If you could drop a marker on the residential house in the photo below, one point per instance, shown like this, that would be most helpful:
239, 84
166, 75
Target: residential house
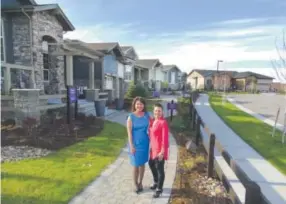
130, 58
113, 66
29, 33
223, 80
172, 75
149, 72
278, 87
228, 80
200, 79
249, 81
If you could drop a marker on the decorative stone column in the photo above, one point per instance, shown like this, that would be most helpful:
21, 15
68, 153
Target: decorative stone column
91, 75
69, 70
26, 104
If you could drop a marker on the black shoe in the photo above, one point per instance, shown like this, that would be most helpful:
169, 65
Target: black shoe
153, 187
140, 187
137, 189
157, 193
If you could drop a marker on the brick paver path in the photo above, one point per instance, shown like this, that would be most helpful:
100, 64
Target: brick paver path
115, 186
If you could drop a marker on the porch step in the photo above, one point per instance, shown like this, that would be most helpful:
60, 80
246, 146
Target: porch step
88, 108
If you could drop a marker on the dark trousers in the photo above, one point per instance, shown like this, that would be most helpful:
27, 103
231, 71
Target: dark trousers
157, 169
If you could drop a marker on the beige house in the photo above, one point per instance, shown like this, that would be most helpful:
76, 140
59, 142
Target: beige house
200, 79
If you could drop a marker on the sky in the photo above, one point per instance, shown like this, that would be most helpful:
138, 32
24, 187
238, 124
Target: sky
193, 34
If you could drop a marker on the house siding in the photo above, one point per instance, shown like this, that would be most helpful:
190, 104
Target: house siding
200, 81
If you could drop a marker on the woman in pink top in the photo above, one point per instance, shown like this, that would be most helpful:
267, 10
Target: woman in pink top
159, 142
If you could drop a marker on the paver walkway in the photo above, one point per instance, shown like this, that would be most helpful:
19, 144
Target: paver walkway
114, 186
271, 181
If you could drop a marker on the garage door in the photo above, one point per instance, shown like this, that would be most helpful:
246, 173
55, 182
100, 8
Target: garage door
262, 87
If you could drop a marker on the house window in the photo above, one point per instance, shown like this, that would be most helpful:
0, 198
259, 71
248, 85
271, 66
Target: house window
46, 67
173, 78
108, 82
3, 56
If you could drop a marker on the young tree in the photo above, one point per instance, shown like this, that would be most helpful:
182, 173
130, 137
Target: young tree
280, 65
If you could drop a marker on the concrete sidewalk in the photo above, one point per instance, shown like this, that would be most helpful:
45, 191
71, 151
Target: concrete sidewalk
114, 185
271, 181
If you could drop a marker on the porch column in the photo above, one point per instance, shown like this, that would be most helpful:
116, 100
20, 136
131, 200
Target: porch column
139, 74
7, 80
69, 70
91, 75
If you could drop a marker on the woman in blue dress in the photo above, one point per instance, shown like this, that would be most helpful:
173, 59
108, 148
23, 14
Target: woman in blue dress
137, 129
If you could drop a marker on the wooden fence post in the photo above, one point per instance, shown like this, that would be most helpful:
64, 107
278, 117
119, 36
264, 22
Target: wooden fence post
191, 108
193, 118
211, 155
253, 193
198, 130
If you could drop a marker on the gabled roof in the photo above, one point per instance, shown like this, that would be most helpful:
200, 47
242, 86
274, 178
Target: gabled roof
249, 74
168, 67
126, 48
107, 47
203, 72
129, 52
147, 63
229, 73
61, 17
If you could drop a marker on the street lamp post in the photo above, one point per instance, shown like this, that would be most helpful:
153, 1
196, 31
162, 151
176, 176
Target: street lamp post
217, 69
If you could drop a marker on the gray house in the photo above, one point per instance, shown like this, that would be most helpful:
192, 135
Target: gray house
28, 35
172, 75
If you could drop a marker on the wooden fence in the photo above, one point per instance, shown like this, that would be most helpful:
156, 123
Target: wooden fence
226, 168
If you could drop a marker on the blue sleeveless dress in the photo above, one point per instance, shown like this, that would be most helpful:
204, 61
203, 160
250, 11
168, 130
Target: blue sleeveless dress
140, 139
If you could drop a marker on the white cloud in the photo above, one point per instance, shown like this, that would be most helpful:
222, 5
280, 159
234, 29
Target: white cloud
192, 49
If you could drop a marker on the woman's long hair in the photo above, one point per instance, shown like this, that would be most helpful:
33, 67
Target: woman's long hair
141, 100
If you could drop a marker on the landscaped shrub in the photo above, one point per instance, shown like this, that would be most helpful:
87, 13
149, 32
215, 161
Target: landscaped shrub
136, 90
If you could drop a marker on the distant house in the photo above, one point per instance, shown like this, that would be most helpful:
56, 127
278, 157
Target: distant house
113, 66
172, 75
147, 71
130, 56
278, 87
247, 81
224, 80
200, 79
228, 80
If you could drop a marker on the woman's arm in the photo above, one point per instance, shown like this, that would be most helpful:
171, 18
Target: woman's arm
165, 137
129, 131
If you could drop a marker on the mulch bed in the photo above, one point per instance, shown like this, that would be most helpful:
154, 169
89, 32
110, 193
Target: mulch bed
51, 134
191, 185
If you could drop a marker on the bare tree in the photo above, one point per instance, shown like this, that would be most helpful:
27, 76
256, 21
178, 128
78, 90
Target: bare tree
280, 64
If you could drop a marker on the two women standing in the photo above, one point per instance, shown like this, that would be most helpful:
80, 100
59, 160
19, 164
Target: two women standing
148, 140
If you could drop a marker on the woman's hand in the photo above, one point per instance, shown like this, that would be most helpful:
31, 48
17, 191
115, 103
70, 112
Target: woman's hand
160, 156
132, 149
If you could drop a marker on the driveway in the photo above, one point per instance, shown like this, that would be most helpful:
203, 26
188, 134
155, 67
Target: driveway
263, 104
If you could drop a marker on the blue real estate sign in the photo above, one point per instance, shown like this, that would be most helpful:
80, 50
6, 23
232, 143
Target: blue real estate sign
72, 94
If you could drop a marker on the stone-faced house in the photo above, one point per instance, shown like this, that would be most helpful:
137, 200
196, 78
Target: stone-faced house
224, 80
30, 32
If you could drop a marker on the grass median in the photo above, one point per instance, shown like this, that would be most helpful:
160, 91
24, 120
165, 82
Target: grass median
253, 131
58, 177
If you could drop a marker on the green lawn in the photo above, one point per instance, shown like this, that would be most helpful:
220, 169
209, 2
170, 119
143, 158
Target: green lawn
57, 178
255, 132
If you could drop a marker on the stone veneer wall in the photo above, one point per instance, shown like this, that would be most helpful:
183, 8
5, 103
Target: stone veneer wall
21, 40
43, 24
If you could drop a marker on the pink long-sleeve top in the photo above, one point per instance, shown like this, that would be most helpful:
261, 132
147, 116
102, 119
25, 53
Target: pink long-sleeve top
159, 138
